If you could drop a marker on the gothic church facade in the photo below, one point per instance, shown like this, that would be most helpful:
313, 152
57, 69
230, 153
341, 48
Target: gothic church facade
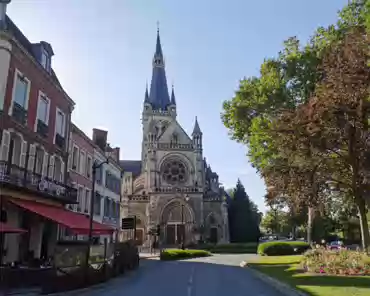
172, 185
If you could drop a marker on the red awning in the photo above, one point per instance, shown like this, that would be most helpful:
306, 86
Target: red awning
78, 223
5, 228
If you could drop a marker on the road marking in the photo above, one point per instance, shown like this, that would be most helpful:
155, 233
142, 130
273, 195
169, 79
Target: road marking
190, 282
190, 289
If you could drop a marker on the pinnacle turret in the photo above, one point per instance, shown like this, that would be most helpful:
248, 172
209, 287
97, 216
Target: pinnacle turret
196, 130
173, 99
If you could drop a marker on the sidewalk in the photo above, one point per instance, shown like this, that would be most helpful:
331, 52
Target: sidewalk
146, 255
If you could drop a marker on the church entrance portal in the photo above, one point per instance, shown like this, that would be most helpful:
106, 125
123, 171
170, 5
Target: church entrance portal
174, 234
177, 218
213, 235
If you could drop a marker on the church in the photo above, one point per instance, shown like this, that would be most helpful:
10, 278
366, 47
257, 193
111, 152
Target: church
171, 187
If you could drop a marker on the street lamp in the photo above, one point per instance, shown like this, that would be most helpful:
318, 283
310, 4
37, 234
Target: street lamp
182, 221
95, 167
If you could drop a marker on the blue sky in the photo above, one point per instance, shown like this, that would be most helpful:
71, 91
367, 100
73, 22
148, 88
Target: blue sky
104, 49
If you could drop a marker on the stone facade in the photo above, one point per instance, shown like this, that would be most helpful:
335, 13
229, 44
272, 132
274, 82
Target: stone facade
172, 185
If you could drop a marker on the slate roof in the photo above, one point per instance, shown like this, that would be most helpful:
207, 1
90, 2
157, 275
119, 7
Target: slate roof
159, 97
133, 166
28, 46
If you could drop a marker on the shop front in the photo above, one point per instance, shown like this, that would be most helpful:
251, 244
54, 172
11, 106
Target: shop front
38, 225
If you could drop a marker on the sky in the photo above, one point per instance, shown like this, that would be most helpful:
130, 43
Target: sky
104, 50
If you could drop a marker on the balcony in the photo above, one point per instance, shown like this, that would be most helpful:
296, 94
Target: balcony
19, 114
42, 128
60, 141
16, 177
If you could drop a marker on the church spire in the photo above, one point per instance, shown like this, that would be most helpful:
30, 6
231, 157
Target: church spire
159, 97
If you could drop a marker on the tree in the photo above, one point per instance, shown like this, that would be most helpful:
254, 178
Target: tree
274, 221
244, 217
338, 116
286, 84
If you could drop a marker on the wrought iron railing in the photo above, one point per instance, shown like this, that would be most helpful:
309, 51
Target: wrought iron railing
60, 141
22, 178
42, 128
19, 113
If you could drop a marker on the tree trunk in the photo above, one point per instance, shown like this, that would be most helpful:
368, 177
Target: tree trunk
365, 235
310, 224
294, 231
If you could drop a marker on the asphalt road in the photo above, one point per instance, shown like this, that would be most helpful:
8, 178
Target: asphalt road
219, 275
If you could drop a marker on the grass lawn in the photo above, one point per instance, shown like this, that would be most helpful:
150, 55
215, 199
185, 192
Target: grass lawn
286, 269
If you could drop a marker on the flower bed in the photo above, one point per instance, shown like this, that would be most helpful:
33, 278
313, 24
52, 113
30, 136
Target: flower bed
342, 262
183, 254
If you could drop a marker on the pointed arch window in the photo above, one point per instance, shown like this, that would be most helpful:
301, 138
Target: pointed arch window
174, 139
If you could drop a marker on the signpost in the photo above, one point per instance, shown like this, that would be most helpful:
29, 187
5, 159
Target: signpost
129, 224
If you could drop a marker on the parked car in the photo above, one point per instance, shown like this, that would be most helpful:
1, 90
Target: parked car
336, 245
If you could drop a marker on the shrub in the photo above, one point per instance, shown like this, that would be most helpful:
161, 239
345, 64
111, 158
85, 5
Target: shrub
235, 248
183, 254
232, 248
276, 248
345, 262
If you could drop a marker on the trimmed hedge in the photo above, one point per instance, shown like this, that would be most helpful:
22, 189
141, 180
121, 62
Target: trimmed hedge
232, 248
275, 248
183, 254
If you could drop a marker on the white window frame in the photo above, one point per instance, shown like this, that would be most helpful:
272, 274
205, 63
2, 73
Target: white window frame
81, 197
89, 168
47, 59
64, 123
87, 200
82, 165
41, 97
16, 74
78, 158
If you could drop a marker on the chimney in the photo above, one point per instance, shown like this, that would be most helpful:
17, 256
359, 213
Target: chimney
100, 137
116, 152
3, 4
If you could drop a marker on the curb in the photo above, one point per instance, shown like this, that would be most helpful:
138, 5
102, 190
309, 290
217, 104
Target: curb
278, 285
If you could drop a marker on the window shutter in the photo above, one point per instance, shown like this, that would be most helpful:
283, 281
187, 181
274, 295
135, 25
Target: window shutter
51, 167
45, 164
62, 172
87, 200
5, 142
70, 152
31, 157
22, 161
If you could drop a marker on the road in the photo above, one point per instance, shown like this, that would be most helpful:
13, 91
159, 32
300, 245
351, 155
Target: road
219, 275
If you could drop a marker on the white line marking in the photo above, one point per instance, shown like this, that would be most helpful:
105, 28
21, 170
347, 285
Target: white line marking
190, 282
190, 288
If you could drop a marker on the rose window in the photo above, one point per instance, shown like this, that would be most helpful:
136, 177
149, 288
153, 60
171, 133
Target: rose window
174, 172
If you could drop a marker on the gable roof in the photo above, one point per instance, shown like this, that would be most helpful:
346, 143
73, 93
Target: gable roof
178, 125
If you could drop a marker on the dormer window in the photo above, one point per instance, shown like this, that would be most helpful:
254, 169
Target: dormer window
45, 59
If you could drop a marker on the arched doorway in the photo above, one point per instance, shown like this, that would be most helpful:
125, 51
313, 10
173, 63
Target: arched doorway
177, 219
212, 228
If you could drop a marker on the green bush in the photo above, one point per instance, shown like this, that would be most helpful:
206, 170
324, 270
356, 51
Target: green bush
233, 248
343, 262
276, 248
183, 254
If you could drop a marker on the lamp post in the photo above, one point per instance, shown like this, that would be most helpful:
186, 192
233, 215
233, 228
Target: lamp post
183, 223
95, 167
